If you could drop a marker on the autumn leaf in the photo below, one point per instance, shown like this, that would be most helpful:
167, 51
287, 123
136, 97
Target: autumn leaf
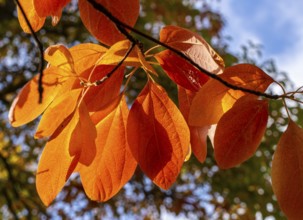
240, 131
100, 26
46, 8
98, 98
287, 172
114, 164
56, 164
214, 98
85, 56
198, 135
57, 112
26, 106
60, 56
194, 47
157, 135
180, 71
117, 52
35, 20
72, 142
83, 137
52, 8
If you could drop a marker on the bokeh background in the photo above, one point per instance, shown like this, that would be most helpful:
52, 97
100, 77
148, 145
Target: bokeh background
255, 32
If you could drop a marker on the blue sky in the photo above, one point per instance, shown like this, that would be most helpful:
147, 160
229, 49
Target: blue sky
277, 25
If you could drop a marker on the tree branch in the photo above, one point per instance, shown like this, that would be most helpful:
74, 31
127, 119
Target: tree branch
40, 47
119, 23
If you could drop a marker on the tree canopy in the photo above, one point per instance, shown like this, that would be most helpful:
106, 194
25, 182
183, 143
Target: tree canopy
146, 105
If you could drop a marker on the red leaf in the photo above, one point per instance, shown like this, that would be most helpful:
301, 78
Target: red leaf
100, 26
180, 71
157, 135
114, 164
287, 172
194, 47
46, 8
240, 131
198, 135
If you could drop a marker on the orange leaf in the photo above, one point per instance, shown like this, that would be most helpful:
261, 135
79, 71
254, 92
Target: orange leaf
26, 106
240, 131
46, 8
214, 98
198, 135
287, 172
114, 164
86, 56
180, 71
60, 56
72, 142
83, 136
100, 26
57, 112
99, 97
193, 46
117, 52
35, 20
56, 164
157, 135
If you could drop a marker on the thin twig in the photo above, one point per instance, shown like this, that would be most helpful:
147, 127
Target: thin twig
40, 47
98, 82
118, 22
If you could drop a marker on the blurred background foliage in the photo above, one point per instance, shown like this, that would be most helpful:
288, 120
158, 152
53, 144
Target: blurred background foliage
202, 191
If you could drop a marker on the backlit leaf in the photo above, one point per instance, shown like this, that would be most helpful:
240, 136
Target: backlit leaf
117, 52
214, 98
26, 106
60, 56
157, 135
35, 20
114, 164
287, 172
72, 142
62, 107
99, 97
100, 26
198, 135
240, 131
180, 71
56, 164
193, 46
84, 136
46, 8
85, 56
